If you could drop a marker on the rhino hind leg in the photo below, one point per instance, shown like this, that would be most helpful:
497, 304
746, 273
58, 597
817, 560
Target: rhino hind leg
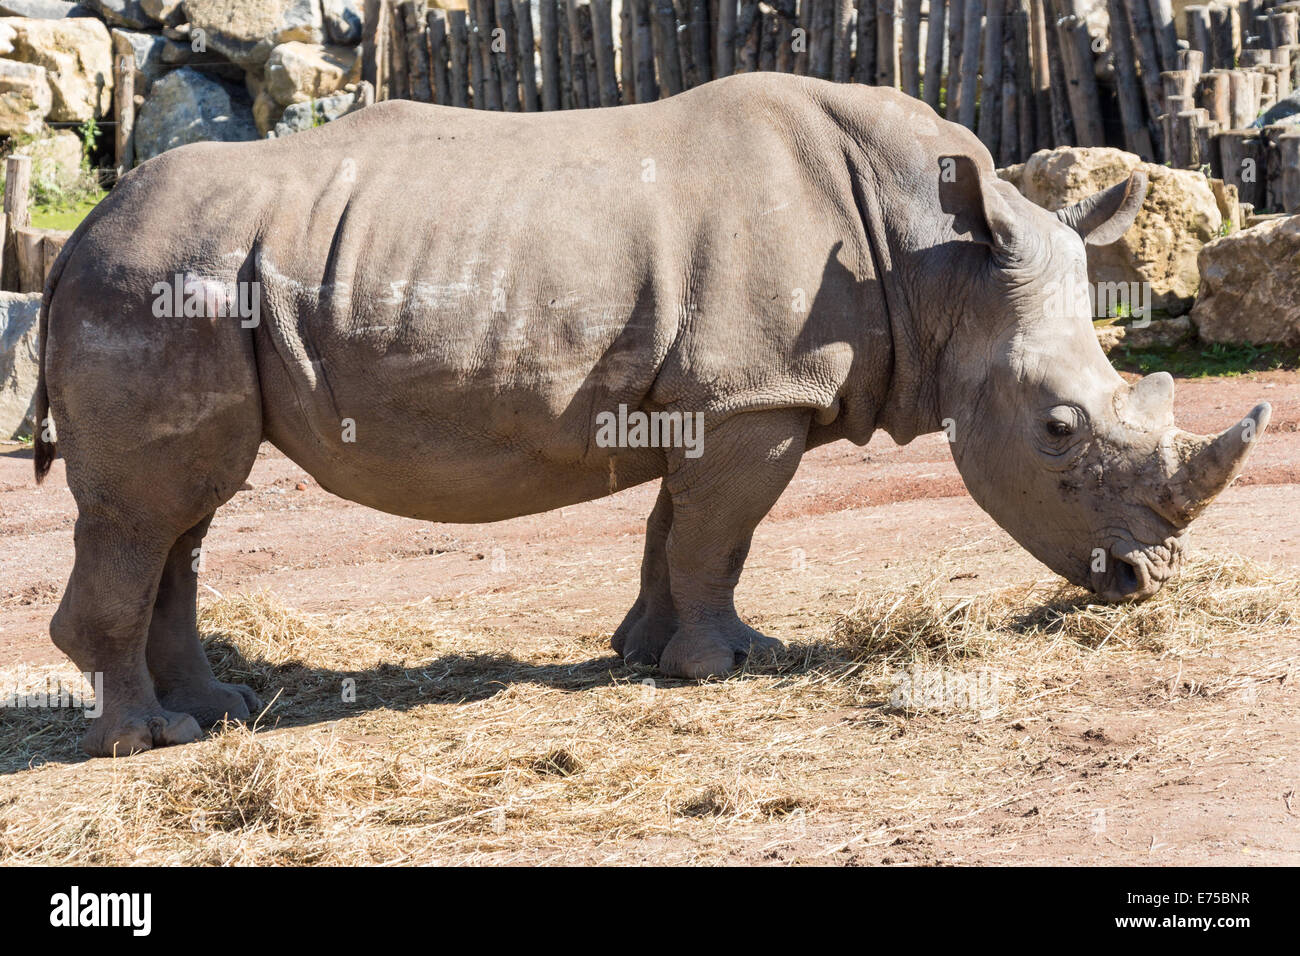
182, 676
718, 500
651, 623
100, 624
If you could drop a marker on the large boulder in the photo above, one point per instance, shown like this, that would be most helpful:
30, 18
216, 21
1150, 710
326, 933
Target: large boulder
25, 98
187, 107
147, 50
1250, 285
1180, 216
343, 21
298, 72
164, 11
43, 9
121, 13
19, 361
77, 54
304, 116
245, 31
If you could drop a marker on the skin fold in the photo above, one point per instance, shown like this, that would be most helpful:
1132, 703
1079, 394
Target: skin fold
450, 299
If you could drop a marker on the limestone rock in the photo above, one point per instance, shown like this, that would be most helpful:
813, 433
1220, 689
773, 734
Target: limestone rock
1180, 216
77, 54
303, 116
164, 11
56, 159
297, 72
25, 98
121, 13
19, 361
245, 31
187, 107
43, 9
343, 21
1250, 285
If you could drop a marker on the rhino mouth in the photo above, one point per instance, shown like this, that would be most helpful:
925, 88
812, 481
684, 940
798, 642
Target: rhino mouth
1135, 571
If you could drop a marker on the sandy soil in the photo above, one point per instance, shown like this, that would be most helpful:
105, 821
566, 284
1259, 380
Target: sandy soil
853, 520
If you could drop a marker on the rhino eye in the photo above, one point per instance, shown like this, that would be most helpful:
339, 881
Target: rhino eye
1062, 422
1060, 429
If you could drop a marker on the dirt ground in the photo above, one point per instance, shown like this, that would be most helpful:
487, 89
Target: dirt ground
1163, 753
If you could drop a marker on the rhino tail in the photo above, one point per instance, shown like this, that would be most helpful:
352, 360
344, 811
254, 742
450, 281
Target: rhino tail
43, 442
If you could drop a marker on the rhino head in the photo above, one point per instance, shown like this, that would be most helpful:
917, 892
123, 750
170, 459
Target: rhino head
1084, 470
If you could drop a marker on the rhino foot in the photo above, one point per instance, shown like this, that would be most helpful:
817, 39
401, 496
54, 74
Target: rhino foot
213, 702
132, 733
645, 640
714, 650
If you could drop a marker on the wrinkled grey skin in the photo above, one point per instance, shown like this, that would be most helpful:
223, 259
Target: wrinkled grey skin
800, 261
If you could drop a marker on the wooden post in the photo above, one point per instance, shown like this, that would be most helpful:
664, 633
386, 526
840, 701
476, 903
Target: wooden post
1162, 19
399, 86
525, 49
864, 64
487, 86
1138, 18
887, 43
1271, 137
647, 90
956, 27
1214, 95
1193, 62
1283, 26
821, 42
124, 112
1197, 18
1185, 138
1206, 153
934, 53
786, 19
909, 63
458, 42
1081, 81
1021, 66
1042, 75
767, 38
1242, 156
1009, 120
970, 63
1177, 83
627, 51
701, 41
506, 58
1242, 101
1127, 88
1289, 156
417, 51
602, 32
842, 48
372, 34
724, 55
1062, 120
577, 57
670, 66
547, 26
18, 180
990, 114
436, 30
1223, 37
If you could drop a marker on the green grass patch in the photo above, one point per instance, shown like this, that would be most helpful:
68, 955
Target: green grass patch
66, 216
1202, 361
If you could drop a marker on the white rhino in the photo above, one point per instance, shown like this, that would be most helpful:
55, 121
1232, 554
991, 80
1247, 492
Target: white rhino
447, 304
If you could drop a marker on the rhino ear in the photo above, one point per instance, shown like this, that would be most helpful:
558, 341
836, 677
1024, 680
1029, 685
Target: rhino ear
1104, 217
978, 207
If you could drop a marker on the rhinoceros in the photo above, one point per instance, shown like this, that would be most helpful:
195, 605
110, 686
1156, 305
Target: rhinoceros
448, 306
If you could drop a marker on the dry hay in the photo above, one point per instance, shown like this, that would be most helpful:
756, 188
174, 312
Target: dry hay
454, 750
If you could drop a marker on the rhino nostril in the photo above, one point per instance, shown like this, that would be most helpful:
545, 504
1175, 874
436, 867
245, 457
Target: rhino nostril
1127, 579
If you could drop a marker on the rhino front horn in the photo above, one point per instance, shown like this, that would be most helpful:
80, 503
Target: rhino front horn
1207, 465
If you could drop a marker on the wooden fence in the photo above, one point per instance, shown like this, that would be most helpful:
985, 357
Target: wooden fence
1022, 74
26, 253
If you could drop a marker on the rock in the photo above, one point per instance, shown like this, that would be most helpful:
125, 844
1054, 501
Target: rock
1159, 333
1250, 285
121, 13
343, 21
303, 116
187, 107
43, 9
56, 160
245, 31
77, 54
164, 11
25, 98
1284, 111
19, 361
297, 72
266, 112
147, 49
1180, 216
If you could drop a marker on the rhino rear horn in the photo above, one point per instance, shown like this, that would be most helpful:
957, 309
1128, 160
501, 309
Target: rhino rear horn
1104, 217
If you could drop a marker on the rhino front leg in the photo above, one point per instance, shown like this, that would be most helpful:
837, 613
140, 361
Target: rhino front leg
181, 673
651, 623
717, 501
